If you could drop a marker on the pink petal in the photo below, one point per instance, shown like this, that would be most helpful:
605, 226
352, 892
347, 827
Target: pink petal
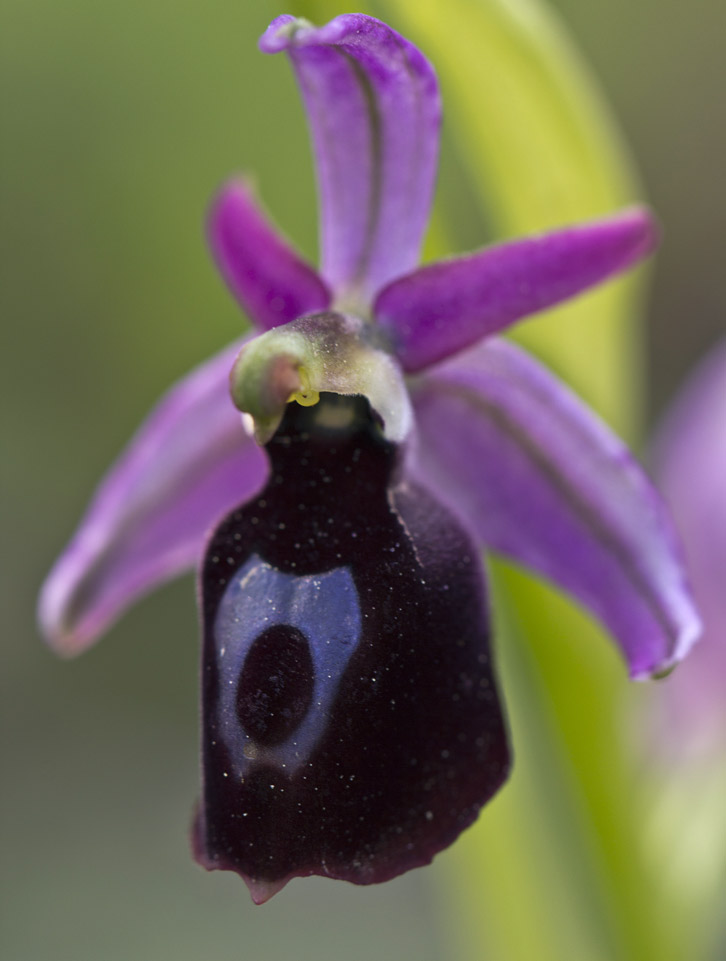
269, 279
190, 462
542, 480
691, 468
448, 306
374, 111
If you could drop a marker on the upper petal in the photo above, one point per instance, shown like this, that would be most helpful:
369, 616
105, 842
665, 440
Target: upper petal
189, 463
269, 279
540, 478
447, 306
373, 105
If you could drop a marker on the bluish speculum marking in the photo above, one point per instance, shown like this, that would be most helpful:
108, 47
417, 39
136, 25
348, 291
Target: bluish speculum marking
324, 609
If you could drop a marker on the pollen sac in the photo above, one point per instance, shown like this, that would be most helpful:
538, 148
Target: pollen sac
351, 722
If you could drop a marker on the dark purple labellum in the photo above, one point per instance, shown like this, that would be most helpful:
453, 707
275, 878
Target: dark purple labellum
351, 723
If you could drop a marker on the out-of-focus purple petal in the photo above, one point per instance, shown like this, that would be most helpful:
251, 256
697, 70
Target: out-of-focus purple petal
540, 479
269, 279
690, 459
373, 105
189, 463
448, 306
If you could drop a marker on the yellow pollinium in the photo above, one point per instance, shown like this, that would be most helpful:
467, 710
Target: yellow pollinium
305, 395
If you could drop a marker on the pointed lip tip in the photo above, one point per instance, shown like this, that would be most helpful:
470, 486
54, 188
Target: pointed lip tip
260, 891
263, 891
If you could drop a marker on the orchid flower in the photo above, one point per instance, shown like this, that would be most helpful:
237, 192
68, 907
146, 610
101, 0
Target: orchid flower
690, 456
683, 720
352, 726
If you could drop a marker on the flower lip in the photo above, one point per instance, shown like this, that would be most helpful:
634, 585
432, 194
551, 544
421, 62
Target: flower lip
390, 601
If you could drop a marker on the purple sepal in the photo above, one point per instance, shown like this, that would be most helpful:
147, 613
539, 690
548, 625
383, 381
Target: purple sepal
374, 110
269, 279
187, 465
542, 480
445, 307
690, 459
351, 723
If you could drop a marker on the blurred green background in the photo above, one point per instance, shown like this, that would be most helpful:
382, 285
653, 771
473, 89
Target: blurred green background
118, 121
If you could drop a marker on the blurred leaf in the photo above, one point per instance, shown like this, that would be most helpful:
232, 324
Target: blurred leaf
551, 870
543, 151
